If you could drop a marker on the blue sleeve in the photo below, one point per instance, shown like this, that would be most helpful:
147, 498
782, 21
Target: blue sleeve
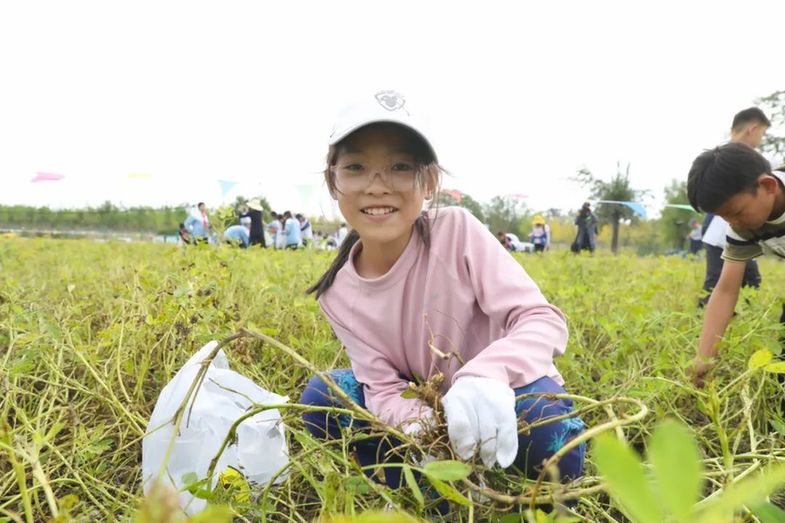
189, 222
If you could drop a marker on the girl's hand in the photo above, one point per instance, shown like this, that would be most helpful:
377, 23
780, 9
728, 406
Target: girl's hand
480, 413
415, 430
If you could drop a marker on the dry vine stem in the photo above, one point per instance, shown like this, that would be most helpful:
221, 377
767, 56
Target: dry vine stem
193, 390
353, 409
587, 435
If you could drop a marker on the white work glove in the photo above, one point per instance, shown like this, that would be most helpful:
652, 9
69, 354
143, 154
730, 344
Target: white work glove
481, 412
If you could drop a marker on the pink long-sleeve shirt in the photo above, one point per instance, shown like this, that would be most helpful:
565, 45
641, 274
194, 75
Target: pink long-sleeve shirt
465, 295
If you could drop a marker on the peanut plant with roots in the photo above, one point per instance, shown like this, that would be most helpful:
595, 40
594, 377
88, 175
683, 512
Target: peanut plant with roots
91, 332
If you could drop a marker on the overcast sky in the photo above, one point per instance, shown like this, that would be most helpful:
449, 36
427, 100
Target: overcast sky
519, 95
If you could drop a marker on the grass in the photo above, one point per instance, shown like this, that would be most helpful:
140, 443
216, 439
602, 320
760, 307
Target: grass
91, 332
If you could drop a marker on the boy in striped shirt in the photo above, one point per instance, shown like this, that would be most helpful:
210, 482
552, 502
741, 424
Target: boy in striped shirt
738, 184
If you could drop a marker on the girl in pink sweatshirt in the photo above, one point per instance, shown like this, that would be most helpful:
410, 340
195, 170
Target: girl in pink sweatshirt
406, 280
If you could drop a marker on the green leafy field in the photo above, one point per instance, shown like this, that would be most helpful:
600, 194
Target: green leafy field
91, 332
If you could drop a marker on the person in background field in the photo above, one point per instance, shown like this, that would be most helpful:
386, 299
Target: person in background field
341, 234
586, 239
280, 240
695, 237
541, 235
185, 235
739, 185
239, 234
256, 214
504, 240
274, 228
330, 241
305, 230
748, 127
442, 276
319, 241
291, 231
198, 224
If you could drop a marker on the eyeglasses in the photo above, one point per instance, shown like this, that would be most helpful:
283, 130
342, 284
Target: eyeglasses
354, 177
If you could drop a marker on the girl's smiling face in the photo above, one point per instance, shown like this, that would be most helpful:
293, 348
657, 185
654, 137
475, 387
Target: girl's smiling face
380, 181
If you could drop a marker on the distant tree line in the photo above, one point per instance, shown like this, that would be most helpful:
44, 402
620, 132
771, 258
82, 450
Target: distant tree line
501, 213
107, 216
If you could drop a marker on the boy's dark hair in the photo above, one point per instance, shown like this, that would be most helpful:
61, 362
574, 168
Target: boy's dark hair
199, 204
749, 115
718, 174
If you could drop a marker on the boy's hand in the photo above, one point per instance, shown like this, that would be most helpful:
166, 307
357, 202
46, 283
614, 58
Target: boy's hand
698, 369
718, 313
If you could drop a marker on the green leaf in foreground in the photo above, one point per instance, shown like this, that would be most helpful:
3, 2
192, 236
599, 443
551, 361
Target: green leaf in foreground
759, 358
625, 479
413, 486
750, 492
449, 492
447, 470
373, 517
676, 460
409, 394
777, 425
213, 514
194, 485
357, 484
769, 513
777, 368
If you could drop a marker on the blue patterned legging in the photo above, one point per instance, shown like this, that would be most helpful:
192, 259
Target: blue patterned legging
533, 448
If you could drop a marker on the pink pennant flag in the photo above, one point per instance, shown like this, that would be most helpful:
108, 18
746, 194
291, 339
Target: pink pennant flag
47, 177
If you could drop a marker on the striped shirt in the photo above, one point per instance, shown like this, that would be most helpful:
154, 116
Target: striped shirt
744, 245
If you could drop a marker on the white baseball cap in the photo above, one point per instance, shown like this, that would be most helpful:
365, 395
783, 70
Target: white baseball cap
255, 204
383, 106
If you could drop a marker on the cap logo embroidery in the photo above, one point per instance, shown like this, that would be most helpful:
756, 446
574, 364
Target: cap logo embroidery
390, 100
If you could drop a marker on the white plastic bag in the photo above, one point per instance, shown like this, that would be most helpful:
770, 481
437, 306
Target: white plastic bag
258, 452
